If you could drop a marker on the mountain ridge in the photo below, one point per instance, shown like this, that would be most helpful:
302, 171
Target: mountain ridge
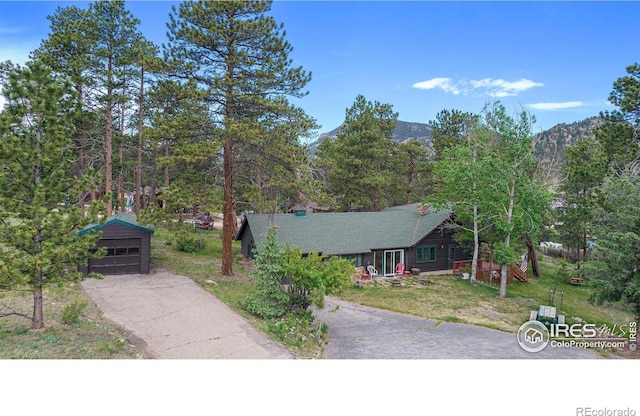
404, 131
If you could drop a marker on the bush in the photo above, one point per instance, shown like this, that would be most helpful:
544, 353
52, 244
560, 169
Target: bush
288, 281
71, 312
186, 242
564, 275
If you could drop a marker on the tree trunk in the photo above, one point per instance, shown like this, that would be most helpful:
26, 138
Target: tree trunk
139, 149
120, 185
228, 215
476, 246
533, 256
81, 142
154, 184
409, 184
476, 237
507, 239
37, 321
108, 139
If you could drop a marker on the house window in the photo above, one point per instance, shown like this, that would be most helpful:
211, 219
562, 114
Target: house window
426, 254
356, 259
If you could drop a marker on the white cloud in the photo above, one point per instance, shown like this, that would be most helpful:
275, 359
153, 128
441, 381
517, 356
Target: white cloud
504, 88
2, 101
557, 106
488, 86
445, 84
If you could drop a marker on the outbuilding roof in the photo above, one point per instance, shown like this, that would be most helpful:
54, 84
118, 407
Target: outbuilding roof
348, 232
122, 218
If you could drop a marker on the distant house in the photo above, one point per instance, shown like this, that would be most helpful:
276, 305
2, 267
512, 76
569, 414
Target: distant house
405, 234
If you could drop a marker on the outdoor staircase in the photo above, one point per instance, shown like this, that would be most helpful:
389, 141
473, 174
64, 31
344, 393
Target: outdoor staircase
519, 274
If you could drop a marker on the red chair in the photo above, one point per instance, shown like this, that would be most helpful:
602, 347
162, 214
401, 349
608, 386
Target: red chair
400, 270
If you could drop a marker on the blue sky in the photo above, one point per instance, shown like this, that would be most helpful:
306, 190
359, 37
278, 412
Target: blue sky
558, 60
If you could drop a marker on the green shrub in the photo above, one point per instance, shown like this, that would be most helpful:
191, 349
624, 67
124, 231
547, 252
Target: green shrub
186, 242
288, 281
564, 275
71, 312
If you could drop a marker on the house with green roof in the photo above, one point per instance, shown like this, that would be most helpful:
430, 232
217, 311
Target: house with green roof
410, 234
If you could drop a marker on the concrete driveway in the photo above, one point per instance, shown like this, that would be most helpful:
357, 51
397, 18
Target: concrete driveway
178, 319
360, 332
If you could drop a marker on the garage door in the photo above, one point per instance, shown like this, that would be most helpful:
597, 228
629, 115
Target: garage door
123, 257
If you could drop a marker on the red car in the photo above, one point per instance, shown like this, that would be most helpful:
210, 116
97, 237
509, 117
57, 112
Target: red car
203, 221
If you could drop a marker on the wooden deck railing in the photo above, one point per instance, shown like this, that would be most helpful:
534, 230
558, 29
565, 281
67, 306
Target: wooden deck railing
487, 271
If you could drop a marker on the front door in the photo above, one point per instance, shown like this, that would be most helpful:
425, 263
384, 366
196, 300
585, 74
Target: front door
391, 258
451, 255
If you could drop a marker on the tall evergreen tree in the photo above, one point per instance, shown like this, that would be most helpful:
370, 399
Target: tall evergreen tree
614, 267
585, 168
358, 162
117, 36
183, 146
412, 165
239, 57
68, 50
273, 169
450, 128
39, 215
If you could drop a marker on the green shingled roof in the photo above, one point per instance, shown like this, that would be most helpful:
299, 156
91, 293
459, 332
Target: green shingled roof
348, 232
120, 218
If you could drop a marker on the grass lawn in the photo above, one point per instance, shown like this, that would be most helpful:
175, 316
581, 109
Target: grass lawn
84, 335
450, 298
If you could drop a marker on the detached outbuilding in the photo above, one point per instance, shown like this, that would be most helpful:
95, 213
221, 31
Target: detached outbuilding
128, 246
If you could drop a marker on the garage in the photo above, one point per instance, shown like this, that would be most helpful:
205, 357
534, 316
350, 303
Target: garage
128, 246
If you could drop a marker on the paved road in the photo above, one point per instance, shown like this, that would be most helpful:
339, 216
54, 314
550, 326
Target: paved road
360, 332
178, 319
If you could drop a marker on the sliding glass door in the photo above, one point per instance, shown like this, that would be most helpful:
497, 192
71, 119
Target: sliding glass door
385, 261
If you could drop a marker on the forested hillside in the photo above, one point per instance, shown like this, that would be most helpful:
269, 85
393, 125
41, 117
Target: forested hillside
550, 145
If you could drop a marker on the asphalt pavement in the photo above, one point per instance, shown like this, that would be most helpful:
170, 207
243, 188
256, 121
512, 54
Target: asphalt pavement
360, 332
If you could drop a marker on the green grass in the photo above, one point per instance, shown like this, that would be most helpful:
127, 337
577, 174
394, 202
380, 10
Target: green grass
87, 336
450, 298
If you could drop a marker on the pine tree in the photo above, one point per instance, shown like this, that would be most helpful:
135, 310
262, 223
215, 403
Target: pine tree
585, 169
68, 51
117, 46
39, 215
240, 59
358, 162
450, 128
